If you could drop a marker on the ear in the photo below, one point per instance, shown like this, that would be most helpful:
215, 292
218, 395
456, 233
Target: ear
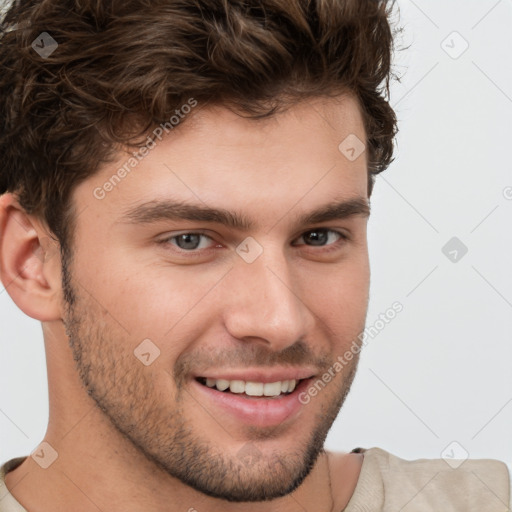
29, 262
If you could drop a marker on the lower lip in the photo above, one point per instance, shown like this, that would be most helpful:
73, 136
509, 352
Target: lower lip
256, 411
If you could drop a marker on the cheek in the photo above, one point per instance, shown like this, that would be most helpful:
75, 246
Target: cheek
339, 298
158, 301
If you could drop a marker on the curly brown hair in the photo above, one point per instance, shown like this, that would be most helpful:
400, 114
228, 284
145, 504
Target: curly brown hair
123, 67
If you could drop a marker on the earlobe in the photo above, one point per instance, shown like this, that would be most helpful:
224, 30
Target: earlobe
29, 262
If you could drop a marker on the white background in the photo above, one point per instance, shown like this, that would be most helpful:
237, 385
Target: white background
440, 371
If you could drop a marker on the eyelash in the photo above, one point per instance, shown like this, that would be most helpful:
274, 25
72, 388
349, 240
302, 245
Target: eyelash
197, 252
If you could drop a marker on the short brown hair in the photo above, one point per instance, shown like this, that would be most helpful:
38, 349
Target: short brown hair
123, 67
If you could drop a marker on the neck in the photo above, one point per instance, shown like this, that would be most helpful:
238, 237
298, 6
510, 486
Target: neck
95, 472
98, 468
65, 488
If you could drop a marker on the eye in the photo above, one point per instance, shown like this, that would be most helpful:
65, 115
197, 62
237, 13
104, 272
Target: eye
322, 237
189, 241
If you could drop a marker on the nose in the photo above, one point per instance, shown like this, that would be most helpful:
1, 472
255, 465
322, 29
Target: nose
265, 302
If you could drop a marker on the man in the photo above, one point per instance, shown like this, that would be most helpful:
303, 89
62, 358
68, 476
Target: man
186, 193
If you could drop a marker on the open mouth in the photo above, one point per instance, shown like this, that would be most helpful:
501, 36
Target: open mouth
252, 389
253, 403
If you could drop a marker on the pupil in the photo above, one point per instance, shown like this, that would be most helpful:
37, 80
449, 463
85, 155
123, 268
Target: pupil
188, 241
317, 237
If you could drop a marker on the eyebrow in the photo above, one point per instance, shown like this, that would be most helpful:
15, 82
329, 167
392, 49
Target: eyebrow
159, 210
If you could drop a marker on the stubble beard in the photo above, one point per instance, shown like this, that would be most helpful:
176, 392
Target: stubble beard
124, 390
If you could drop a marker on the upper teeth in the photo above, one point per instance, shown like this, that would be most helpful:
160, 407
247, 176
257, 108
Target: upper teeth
253, 388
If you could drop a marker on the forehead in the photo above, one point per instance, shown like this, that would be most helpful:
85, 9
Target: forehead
294, 159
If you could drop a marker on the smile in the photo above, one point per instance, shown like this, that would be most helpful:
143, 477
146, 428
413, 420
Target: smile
249, 388
246, 401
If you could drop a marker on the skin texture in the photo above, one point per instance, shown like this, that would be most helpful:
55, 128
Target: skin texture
131, 436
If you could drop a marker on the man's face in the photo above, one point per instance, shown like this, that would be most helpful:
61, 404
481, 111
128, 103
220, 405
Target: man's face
271, 297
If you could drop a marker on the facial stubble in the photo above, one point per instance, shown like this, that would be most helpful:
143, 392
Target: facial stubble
126, 393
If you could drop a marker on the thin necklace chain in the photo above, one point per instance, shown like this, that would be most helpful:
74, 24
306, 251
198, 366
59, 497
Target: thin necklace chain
330, 482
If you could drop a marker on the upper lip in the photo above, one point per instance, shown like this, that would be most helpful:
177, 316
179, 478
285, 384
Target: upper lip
260, 374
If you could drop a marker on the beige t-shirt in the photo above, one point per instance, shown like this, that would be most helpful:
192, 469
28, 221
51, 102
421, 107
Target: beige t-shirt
390, 484
7, 501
